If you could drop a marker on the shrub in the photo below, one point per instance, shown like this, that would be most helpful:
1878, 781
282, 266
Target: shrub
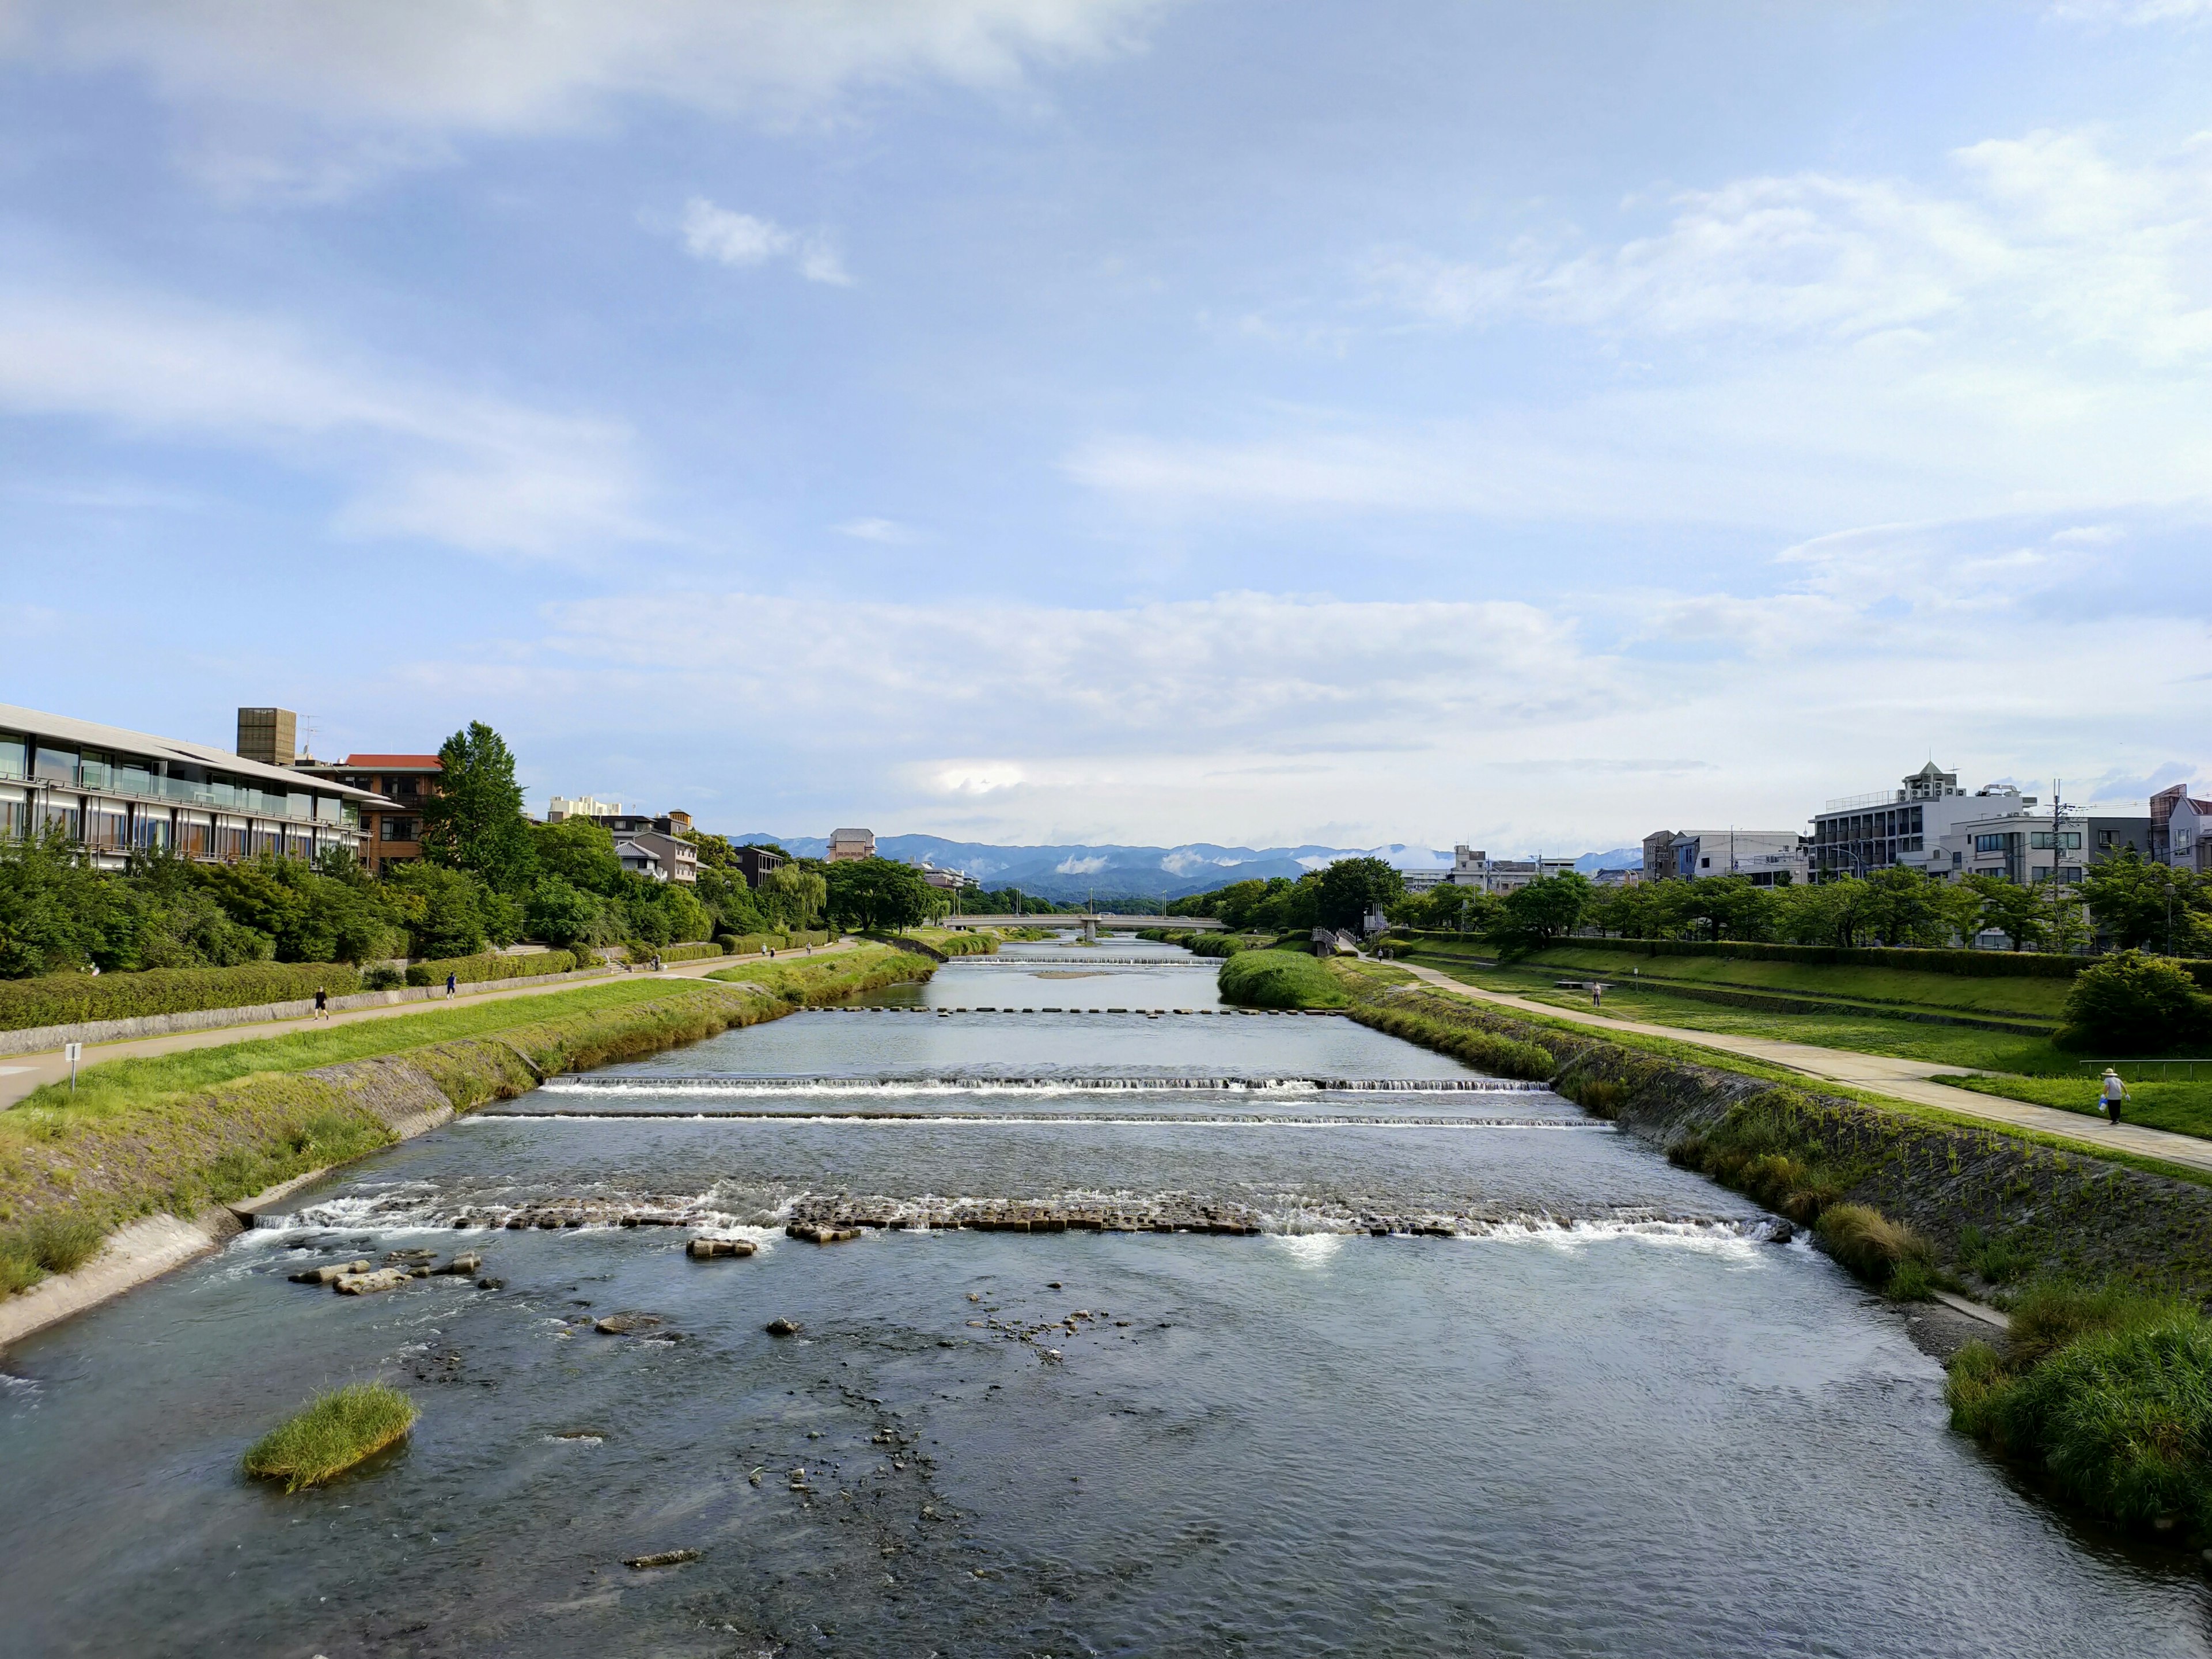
73, 999
475, 970
1868, 1243
1279, 979
382, 976
335, 1431
687, 952
2136, 1003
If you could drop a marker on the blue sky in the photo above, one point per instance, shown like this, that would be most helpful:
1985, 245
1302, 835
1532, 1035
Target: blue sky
1042, 421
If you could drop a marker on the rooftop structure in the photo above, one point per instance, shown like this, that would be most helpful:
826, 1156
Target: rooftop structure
581, 806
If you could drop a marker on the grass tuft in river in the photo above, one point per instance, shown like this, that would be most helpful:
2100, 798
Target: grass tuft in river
2107, 1394
1279, 979
334, 1432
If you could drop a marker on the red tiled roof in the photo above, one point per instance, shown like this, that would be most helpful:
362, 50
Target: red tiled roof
393, 763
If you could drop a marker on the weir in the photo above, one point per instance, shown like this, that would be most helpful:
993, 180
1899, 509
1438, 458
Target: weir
709, 1083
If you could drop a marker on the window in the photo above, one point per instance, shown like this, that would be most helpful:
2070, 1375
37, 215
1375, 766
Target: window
1988, 844
1704, 864
11, 756
1957, 858
150, 827
195, 835
2043, 840
96, 769
398, 829
14, 815
108, 825
55, 765
136, 777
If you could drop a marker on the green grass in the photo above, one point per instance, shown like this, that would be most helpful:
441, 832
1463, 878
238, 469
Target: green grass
334, 1432
2105, 1395
2182, 1107
802, 981
1279, 979
2007, 998
1873, 1033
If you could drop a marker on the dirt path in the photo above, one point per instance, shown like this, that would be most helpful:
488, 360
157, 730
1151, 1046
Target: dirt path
1885, 1074
20, 1073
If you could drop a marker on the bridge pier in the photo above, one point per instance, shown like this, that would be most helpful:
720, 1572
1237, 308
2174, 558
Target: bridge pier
1090, 930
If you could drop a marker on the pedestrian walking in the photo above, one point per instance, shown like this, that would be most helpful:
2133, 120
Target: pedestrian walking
2114, 1092
322, 1002
452, 983
1597, 994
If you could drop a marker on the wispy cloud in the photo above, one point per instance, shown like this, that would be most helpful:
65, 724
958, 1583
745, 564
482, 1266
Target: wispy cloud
889, 532
411, 455
740, 238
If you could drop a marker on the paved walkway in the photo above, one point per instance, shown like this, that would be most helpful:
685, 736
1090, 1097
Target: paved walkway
20, 1073
1884, 1074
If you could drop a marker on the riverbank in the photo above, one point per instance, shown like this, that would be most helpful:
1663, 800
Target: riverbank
170, 1150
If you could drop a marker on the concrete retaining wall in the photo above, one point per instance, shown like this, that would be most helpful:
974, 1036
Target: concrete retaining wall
39, 1039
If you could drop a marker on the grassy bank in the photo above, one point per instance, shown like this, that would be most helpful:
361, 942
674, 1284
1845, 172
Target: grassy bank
334, 1432
1875, 1031
2182, 1106
1279, 979
956, 941
213, 1125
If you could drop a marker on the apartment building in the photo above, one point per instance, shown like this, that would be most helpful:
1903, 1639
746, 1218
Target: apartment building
1766, 858
661, 847
1471, 867
1858, 834
2180, 829
759, 862
392, 831
2031, 847
114, 791
581, 806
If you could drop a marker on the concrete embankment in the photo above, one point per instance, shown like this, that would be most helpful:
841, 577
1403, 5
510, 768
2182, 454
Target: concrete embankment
2056, 1212
176, 1176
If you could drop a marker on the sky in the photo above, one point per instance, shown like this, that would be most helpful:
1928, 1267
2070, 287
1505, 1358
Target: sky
1138, 421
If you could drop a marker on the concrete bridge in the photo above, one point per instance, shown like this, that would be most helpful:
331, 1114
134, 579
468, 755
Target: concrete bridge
1089, 921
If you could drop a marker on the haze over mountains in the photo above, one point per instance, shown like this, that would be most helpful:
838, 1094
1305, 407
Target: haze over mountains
1076, 872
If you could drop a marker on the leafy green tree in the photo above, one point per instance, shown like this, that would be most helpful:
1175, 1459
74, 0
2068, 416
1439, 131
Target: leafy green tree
580, 852
441, 909
1533, 916
53, 909
2140, 905
1905, 908
662, 912
1722, 906
729, 902
1348, 888
564, 915
795, 895
2020, 913
473, 820
310, 917
2133, 1004
1644, 910
870, 895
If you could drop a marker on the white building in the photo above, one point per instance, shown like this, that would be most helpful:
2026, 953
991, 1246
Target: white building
1766, 858
581, 806
1861, 833
2181, 829
1471, 867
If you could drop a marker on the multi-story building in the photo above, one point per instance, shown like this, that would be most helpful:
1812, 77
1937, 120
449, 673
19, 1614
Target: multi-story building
949, 881
846, 845
392, 828
2180, 829
1471, 867
661, 846
2029, 847
759, 862
1861, 833
581, 806
1766, 858
114, 791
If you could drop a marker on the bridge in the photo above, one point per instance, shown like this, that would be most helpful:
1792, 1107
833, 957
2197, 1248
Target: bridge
1089, 921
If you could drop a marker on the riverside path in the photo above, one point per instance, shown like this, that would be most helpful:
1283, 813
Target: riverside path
1883, 1074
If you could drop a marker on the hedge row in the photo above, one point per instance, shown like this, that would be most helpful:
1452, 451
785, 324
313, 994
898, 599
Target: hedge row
688, 952
753, 945
75, 999
474, 970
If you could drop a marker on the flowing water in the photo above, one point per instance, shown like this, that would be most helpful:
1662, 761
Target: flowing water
1469, 1373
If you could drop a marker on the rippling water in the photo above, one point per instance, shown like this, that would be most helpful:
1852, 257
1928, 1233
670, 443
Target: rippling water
1591, 1412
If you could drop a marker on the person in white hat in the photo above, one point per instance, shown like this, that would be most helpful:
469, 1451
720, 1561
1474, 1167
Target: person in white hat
2114, 1091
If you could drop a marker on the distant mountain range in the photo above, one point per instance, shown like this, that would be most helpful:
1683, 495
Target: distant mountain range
1154, 872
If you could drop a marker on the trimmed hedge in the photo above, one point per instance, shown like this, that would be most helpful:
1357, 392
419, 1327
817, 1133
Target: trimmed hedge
75, 999
751, 945
689, 952
475, 970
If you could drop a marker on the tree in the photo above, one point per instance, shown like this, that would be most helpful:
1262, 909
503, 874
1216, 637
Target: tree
1644, 910
1905, 908
580, 852
1349, 888
2132, 1003
794, 895
870, 895
2021, 914
473, 820
2139, 903
1533, 916
441, 909
1726, 907
564, 916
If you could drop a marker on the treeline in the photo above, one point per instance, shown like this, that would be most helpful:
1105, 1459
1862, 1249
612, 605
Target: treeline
1339, 896
2124, 902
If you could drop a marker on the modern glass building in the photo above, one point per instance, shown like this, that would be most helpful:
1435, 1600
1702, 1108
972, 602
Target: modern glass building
114, 791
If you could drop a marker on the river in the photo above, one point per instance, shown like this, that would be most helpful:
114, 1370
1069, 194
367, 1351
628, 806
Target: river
1593, 1410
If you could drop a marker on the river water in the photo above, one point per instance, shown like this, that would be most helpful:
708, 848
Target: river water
1590, 1410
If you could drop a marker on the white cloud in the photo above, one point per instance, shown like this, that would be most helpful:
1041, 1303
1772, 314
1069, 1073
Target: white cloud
414, 456
309, 100
887, 530
740, 238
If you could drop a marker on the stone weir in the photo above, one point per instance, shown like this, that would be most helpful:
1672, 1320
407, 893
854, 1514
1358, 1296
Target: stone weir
1171, 1213
1042, 1082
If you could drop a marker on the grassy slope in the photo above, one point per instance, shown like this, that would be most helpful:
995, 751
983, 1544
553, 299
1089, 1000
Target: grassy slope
2184, 1108
213, 1125
2003, 998
1950, 1045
